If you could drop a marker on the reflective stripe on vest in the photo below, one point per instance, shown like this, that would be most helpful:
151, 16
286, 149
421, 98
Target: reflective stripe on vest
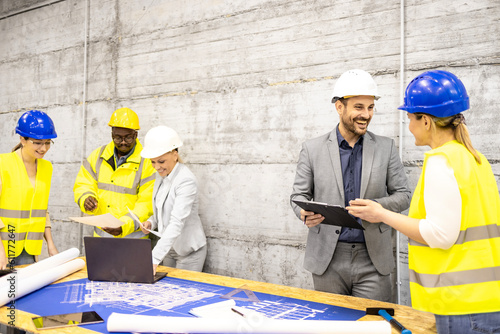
22, 214
22, 236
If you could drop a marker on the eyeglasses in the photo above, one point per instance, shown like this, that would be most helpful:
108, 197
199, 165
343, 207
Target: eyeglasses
39, 144
128, 139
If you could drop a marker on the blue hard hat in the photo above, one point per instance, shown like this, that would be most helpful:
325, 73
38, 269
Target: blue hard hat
37, 125
437, 93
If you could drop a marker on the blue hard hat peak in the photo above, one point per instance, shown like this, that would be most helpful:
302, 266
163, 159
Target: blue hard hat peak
36, 124
438, 93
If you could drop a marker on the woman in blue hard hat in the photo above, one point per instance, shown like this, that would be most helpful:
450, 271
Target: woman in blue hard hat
454, 218
24, 192
175, 204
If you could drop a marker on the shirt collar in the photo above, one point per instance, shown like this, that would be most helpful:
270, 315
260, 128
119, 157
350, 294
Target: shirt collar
124, 158
342, 142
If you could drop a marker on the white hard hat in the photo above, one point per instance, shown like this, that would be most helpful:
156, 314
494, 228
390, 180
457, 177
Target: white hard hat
160, 140
354, 83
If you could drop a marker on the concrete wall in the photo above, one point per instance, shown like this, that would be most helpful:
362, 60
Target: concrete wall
244, 83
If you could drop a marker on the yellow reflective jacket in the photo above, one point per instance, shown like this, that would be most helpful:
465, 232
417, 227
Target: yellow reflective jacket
465, 278
128, 186
23, 208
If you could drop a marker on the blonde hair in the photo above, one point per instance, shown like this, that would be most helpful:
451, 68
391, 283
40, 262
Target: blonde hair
457, 123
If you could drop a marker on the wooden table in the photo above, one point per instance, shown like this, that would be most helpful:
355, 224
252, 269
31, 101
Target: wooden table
416, 321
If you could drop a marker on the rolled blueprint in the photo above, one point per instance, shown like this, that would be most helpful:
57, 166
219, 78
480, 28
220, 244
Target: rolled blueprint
118, 322
43, 265
21, 287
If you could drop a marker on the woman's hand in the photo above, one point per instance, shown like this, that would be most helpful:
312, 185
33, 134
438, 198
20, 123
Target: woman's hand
52, 249
4, 261
310, 218
154, 268
366, 209
145, 227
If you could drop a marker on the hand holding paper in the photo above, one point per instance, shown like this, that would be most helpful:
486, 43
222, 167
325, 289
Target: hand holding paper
145, 229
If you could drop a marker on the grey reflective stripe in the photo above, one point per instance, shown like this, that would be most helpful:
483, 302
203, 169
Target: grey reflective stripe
136, 235
89, 169
38, 213
138, 174
472, 234
35, 236
136, 225
85, 193
149, 178
8, 236
22, 214
6, 213
22, 236
99, 162
478, 233
456, 278
117, 189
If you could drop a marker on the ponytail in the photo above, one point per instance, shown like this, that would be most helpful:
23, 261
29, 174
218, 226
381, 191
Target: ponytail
457, 123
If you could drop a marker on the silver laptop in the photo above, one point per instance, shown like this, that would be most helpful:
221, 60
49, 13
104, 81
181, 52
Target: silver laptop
120, 260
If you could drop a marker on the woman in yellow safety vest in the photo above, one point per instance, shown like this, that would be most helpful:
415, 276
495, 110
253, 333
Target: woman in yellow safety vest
24, 192
454, 218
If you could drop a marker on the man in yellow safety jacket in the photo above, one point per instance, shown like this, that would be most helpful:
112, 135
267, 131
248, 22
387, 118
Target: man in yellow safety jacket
115, 178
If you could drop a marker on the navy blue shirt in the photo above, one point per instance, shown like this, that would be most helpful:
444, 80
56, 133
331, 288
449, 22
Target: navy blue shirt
351, 161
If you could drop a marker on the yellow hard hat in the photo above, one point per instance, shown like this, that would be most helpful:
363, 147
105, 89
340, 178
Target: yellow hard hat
124, 118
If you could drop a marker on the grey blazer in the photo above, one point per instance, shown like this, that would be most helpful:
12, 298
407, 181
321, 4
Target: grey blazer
319, 178
182, 228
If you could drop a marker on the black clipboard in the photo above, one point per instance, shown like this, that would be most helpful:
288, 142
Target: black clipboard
334, 214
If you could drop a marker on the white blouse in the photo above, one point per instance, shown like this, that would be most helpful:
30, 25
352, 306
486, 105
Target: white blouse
443, 204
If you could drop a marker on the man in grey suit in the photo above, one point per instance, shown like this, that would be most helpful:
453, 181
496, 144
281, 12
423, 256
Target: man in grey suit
348, 163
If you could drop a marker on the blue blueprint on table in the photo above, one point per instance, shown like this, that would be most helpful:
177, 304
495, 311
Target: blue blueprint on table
167, 297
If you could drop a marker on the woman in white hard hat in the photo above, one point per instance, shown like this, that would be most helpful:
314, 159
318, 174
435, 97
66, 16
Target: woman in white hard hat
175, 204
25, 179
454, 218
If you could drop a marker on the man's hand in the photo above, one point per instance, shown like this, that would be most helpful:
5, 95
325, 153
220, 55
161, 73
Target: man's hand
145, 227
90, 203
310, 218
113, 230
154, 268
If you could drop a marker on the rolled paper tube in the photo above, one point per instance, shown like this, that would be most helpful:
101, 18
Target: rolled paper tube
43, 265
18, 288
118, 322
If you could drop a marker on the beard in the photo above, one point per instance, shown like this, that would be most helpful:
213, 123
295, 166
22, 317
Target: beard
350, 126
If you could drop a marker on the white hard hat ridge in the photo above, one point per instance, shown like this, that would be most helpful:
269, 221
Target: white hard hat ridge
355, 83
160, 140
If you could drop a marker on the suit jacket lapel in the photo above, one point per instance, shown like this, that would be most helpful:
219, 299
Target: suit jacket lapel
368, 156
333, 149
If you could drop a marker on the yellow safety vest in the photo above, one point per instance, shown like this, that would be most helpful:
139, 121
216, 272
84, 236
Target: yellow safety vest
128, 186
23, 209
465, 278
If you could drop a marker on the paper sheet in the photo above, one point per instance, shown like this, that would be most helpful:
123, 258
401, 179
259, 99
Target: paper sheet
216, 310
105, 220
137, 221
21, 287
118, 322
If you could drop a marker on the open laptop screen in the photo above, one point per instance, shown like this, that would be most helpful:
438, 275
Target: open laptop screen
119, 260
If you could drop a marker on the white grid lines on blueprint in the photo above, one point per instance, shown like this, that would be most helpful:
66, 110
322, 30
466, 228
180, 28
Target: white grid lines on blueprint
135, 297
284, 310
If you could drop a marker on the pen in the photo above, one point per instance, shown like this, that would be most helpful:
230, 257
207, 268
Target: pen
305, 217
236, 311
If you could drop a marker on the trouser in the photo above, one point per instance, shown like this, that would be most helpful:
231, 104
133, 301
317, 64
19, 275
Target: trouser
351, 272
193, 261
486, 323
